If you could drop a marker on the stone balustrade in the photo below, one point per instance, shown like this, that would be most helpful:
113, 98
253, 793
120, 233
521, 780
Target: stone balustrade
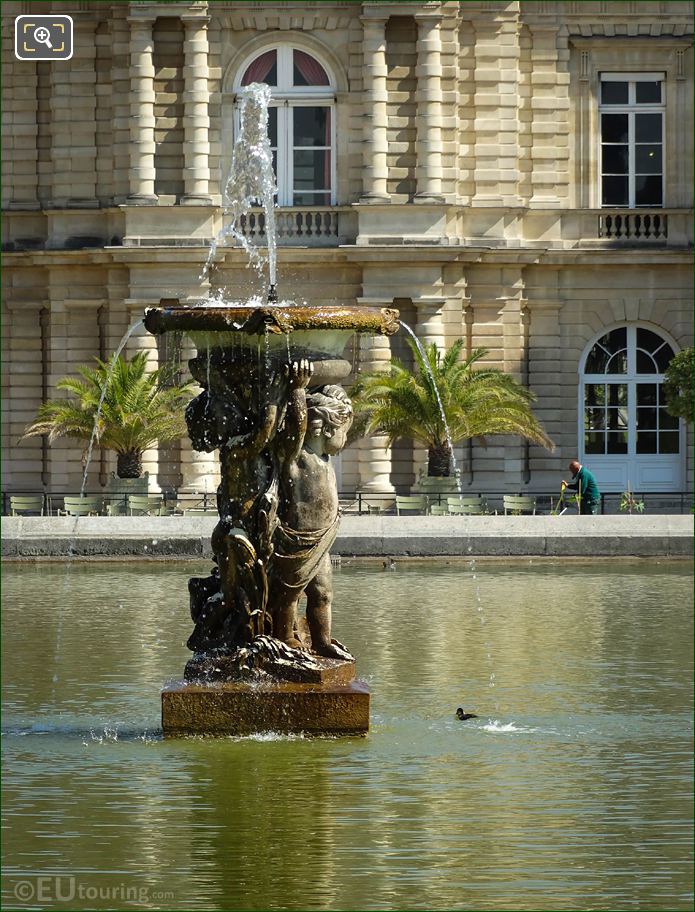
316, 226
633, 225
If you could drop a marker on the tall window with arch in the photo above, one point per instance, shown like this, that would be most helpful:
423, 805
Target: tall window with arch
626, 433
301, 123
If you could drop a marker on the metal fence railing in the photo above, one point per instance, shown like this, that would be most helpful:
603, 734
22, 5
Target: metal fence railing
172, 503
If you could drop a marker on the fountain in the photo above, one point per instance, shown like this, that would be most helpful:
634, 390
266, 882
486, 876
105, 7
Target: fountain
273, 406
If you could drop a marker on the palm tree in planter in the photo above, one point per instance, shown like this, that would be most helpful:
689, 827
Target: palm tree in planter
480, 402
139, 410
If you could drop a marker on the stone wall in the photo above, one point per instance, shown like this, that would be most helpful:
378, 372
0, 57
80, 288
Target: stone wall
466, 192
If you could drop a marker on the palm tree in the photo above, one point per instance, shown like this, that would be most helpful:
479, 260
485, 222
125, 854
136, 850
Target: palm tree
139, 409
477, 403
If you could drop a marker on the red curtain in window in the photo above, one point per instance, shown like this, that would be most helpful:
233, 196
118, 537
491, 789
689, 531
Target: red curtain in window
260, 68
310, 69
327, 153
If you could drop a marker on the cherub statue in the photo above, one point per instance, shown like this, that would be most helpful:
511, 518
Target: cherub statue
315, 428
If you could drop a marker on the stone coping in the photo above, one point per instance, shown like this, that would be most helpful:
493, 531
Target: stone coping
362, 536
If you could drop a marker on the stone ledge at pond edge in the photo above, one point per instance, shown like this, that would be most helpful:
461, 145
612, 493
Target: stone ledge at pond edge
362, 536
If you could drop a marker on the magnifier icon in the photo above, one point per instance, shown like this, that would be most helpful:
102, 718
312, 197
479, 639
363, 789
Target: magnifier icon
43, 36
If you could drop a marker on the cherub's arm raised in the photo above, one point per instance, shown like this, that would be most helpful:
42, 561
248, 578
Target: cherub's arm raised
296, 419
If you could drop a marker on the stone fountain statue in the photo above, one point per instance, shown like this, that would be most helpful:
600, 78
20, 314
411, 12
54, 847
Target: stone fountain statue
273, 407
276, 418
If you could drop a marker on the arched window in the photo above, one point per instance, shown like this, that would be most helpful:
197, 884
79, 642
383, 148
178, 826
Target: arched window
301, 123
626, 433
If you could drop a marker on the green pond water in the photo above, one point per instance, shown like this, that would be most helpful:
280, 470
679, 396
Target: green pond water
572, 790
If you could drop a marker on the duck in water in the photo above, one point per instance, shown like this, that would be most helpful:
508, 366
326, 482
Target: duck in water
462, 716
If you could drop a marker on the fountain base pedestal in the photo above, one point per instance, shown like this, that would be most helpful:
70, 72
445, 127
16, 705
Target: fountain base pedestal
245, 708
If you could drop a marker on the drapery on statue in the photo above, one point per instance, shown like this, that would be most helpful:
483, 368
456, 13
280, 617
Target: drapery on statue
277, 500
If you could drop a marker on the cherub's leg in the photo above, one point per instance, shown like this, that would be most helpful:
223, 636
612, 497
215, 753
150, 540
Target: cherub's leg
319, 595
283, 603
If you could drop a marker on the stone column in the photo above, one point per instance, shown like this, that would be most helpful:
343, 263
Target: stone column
142, 341
374, 456
429, 110
196, 118
142, 145
429, 328
375, 118
200, 472
430, 321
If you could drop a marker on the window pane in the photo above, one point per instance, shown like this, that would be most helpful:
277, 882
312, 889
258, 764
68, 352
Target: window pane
648, 92
667, 422
594, 443
614, 92
263, 69
646, 418
617, 419
594, 394
312, 170
647, 128
646, 394
307, 71
646, 441
663, 357
596, 360
645, 363
617, 363
312, 126
273, 127
669, 442
615, 159
648, 340
614, 128
311, 199
617, 394
647, 190
615, 191
647, 159
617, 442
594, 419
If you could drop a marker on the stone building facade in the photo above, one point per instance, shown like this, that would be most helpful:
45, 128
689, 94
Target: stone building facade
518, 174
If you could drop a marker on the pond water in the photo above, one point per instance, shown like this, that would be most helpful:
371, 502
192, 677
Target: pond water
572, 790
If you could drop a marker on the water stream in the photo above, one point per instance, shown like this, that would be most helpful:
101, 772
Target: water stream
452, 457
251, 181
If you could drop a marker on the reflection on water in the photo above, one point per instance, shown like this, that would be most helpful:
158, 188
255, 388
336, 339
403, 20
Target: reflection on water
571, 791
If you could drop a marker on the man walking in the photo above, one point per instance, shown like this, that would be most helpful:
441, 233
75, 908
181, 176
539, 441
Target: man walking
584, 483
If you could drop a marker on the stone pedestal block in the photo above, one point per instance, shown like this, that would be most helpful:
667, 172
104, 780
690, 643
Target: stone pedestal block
244, 709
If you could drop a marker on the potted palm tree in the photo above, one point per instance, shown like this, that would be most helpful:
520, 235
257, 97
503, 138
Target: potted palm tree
477, 402
138, 410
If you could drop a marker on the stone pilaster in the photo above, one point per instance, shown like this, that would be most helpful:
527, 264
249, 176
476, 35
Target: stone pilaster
375, 111
200, 472
430, 321
73, 124
429, 110
140, 340
374, 456
142, 144
196, 116
496, 123
62, 451
512, 312
20, 127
